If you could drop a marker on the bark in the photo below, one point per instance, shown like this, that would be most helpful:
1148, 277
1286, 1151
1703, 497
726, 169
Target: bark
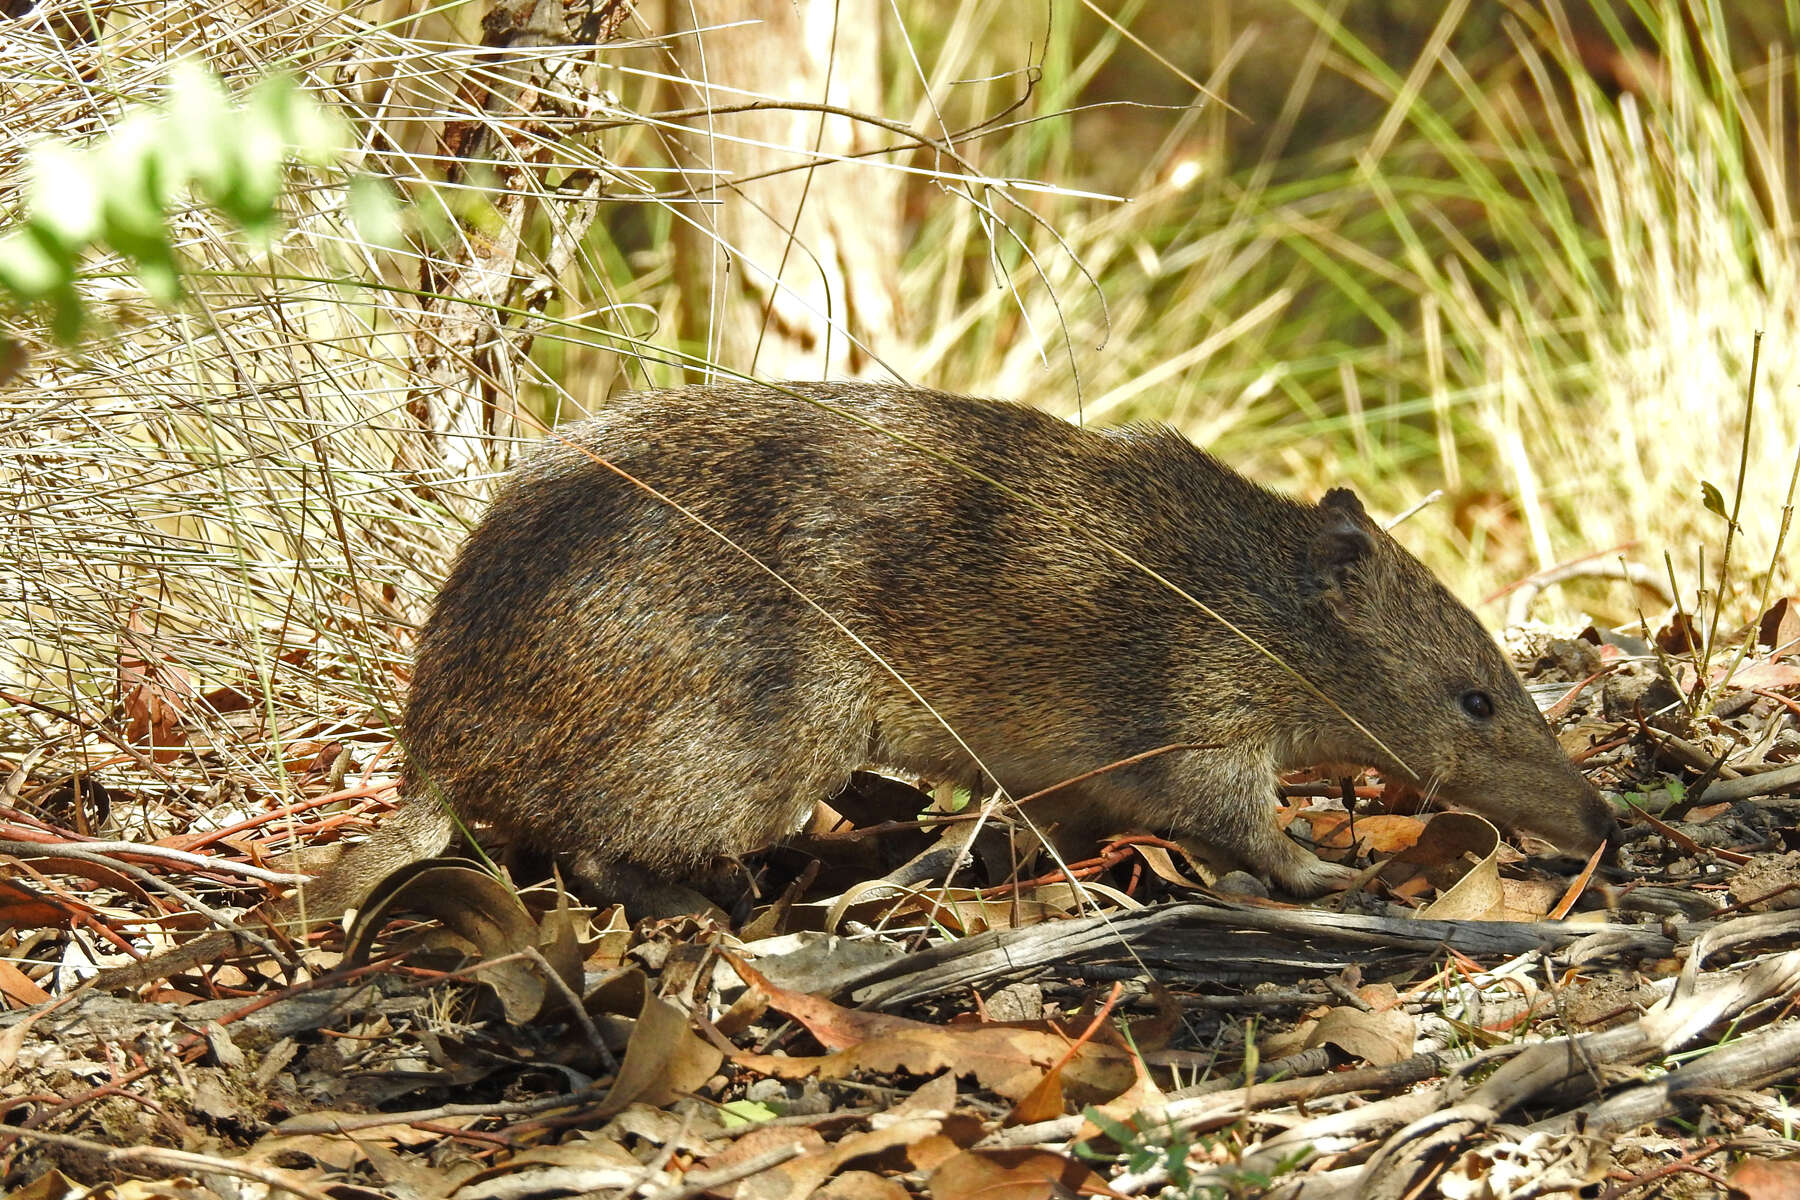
788, 260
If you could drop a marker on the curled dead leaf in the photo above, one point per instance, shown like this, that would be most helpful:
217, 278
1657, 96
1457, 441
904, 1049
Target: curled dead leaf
1458, 855
664, 1058
487, 915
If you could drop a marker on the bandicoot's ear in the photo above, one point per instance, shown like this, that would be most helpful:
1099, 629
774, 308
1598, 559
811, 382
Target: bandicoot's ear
1344, 500
1339, 550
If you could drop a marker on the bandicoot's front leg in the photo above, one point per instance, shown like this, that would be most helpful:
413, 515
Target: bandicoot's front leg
1230, 806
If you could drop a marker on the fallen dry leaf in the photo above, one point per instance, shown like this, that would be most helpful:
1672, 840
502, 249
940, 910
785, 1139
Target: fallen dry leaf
936, 1097
756, 1144
968, 911
1141, 1097
1010, 1060
1779, 628
1379, 834
860, 1185
957, 1131
801, 1177
612, 938
1385, 834
414, 1174
1013, 1175
1042, 1103
1045, 1101
581, 1164
152, 690
1459, 853
663, 1059
14, 1038
489, 918
22, 907
1767, 674
1477, 896
1765, 1179
1162, 865
1532, 899
1378, 1038
337, 1152
1679, 636
51, 1185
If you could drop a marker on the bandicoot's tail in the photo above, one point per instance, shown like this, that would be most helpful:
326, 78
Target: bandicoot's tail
419, 828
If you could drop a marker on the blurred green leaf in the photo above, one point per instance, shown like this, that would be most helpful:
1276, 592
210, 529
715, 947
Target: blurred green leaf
61, 197
117, 193
28, 268
201, 114
375, 211
745, 1112
67, 315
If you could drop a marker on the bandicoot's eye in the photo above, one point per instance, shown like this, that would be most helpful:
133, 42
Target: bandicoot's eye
1479, 705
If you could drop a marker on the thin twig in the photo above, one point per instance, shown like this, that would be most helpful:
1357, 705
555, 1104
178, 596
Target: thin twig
184, 1161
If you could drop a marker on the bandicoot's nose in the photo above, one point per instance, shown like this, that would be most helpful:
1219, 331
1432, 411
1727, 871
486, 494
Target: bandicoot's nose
1596, 826
1611, 836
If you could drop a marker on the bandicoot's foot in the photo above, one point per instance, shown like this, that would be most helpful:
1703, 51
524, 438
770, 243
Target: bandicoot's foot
1309, 876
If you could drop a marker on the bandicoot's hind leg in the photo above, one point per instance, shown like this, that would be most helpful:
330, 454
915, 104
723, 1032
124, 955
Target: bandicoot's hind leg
645, 895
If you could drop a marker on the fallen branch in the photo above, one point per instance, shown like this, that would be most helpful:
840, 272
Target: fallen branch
1227, 941
1749, 787
1445, 1115
1753, 1061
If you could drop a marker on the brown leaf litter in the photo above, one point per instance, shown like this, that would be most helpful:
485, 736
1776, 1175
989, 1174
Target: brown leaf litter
1466, 1024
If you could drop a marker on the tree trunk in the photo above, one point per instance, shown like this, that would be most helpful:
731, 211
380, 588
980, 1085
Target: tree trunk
792, 275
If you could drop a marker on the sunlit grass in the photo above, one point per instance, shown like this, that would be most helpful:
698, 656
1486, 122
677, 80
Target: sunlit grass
1519, 286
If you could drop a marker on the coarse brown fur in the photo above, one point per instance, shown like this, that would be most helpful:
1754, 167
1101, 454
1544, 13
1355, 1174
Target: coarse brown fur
643, 658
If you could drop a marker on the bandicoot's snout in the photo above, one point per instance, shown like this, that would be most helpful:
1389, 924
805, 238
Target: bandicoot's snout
1546, 798
1599, 824
1578, 828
